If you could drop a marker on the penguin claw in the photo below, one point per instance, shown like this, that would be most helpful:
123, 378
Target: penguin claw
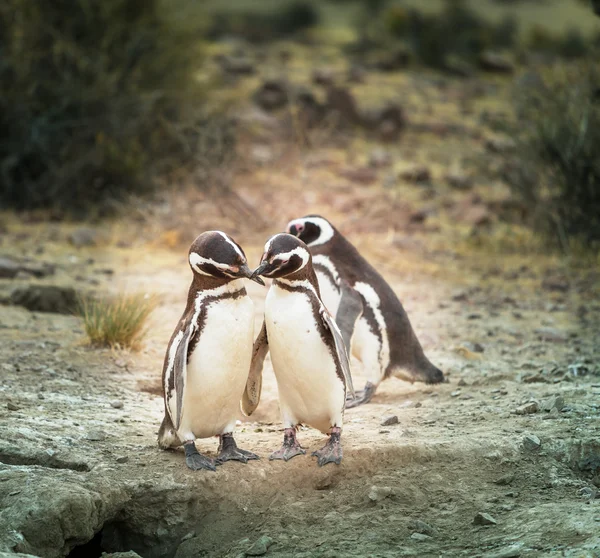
228, 451
197, 461
290, 447
331, 452
287, 453
236, 454
362, 397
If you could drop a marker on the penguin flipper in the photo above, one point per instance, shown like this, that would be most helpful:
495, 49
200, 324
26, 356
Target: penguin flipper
176, 372
340, 348
251, 396
349, 311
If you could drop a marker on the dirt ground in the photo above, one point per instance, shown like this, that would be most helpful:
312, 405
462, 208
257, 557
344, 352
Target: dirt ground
78, 425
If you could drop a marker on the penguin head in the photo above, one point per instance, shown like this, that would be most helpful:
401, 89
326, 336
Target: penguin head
216, 254
284, 254
312, 229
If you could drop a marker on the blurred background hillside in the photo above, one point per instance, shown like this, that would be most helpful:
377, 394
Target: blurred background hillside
398, 115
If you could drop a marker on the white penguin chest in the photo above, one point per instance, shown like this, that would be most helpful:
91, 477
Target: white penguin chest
218, 366
310, 389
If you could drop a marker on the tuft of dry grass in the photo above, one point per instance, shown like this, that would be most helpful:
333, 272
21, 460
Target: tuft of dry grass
117, 322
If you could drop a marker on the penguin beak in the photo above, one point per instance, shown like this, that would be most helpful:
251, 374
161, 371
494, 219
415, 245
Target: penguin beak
245, 271
262, 268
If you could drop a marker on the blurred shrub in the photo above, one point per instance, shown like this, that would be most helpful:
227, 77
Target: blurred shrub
572, 44
95, 99
262, 25
559, 155
117, 322
456, 31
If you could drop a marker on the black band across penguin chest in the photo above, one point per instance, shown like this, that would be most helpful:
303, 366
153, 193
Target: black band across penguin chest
324, 333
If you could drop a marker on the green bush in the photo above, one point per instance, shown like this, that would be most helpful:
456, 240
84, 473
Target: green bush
559, 154
260, 25
456, 31
93, 98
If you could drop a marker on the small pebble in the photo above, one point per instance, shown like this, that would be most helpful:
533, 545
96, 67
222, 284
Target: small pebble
531, 442
260, 547
378, 493
484, 519
420, 537
96, 436
528, 409
116, 404
421, 527
388, 421
418, 404
11, 406
122, 459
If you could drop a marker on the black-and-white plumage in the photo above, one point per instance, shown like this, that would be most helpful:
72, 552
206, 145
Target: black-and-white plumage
307, 350
374, 325
208, 358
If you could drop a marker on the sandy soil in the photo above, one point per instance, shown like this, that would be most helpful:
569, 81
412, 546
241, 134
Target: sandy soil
78, 429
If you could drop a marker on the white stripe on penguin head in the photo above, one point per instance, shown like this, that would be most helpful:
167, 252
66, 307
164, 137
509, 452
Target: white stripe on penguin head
230, 241
326, 230
285, 257
196, 260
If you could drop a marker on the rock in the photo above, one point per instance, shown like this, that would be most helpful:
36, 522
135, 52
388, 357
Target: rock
557, 403
379, 158
482, 518
496, 63
513, 551
83, 237
11, 268
356, 74
116, 404
378, 493
459, 181
421, 527
528, 409
417, 174
476, 215
272, 94
11, 406
388, 421
122, 459
387, 122
505, 480
531, 442
500, 144
459, 67
45, 298
551, 334
420, 537
475, 347
260, 547
8, 268
96, 436
554, 284
340, 101
323, 76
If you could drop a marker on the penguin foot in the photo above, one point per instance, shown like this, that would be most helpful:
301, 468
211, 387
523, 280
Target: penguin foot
228, 451
362, 397
331, 452
290, 447
195, 460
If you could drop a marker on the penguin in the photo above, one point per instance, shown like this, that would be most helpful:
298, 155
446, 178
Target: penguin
307, 350
374, 325
208, 358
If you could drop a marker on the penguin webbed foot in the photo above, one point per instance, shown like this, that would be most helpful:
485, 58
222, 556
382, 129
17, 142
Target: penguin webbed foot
331, 452
196, 461
362, 397
290, 447
228, 451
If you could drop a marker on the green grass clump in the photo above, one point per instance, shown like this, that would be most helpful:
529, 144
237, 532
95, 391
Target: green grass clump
559, 154
96, 98
118, 322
